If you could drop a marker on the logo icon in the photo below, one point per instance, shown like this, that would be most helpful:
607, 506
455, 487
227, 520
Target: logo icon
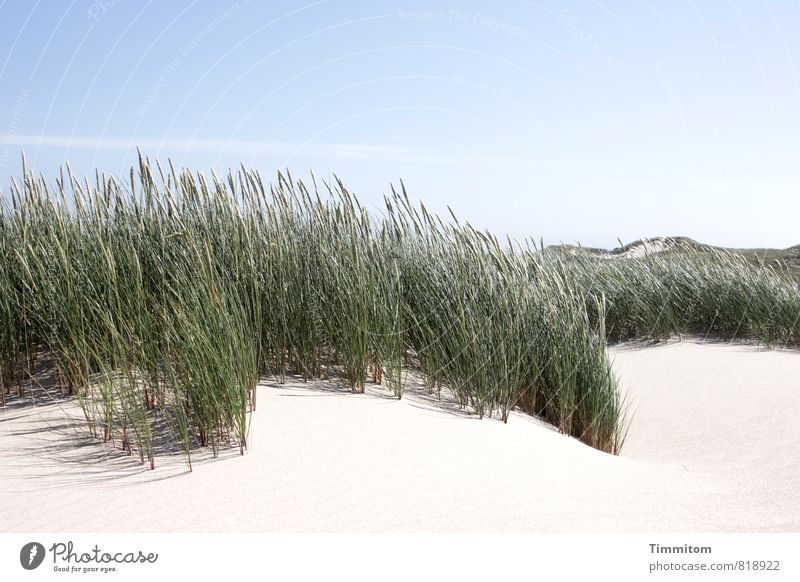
31, 555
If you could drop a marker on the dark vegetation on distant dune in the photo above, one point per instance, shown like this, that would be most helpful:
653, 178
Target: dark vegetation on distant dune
691, 289
787, 260
160, 300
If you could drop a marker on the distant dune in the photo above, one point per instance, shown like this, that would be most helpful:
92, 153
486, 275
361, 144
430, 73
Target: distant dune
789, 257
659, 244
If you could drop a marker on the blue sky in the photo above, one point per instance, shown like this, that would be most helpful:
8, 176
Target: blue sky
568, 121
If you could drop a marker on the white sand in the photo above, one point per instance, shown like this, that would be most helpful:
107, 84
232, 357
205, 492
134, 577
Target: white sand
713, 446
640, 249
646, 247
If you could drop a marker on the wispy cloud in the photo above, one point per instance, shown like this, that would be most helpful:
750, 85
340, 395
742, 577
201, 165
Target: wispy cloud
199, 144
705, 184
289, 149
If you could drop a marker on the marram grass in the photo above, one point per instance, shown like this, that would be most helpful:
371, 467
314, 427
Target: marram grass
161, 299
707, 293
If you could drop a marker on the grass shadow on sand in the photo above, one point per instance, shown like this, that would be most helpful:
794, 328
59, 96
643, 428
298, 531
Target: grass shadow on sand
45, 432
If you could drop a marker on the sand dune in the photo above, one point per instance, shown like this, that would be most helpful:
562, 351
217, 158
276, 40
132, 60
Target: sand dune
713, 446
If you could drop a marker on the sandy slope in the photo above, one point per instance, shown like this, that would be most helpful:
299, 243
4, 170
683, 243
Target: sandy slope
713, 446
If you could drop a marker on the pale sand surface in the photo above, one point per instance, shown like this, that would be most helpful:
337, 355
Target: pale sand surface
714, 445
646, 247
